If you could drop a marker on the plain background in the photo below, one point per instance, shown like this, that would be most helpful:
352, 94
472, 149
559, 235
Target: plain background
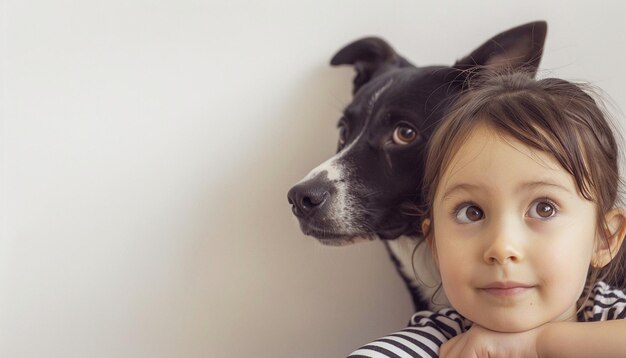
147, 148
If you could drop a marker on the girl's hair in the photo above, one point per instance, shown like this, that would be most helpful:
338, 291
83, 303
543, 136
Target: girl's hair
551, 115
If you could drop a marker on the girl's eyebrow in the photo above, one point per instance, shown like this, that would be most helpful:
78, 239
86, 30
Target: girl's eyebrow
548, 183
459, 187
526, 185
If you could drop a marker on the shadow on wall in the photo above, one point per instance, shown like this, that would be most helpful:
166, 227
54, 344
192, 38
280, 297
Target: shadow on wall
253, 197
252, 266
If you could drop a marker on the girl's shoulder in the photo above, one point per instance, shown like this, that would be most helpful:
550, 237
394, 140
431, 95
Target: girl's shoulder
447, 320
604, 303
426, 332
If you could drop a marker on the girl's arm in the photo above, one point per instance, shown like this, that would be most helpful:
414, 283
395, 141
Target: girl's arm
552, 340
479, 342
582, 339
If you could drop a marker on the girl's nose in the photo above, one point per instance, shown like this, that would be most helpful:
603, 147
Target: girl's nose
503, 245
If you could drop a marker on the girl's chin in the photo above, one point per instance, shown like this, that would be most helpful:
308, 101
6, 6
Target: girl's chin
508, 328
508, 324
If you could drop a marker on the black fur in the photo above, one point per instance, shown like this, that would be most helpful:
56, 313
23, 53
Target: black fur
379, 177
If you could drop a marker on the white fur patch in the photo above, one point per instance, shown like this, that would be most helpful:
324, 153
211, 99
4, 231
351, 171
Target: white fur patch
375, 97
343, 209
341, 202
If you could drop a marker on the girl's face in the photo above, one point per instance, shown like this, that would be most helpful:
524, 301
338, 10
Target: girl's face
512, 236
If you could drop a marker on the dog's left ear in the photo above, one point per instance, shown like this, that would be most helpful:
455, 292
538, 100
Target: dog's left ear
517, 48
370, 56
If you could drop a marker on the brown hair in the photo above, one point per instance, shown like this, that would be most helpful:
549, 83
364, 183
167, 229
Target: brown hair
551, 115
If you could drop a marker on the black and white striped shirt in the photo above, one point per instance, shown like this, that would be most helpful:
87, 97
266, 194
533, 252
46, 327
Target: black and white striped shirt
427, 330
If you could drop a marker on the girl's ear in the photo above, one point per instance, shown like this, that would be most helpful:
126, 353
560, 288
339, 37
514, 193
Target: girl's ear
428, 236
606, 250
426, 229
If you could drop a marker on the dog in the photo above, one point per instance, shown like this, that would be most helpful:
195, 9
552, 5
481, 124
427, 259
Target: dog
365, 191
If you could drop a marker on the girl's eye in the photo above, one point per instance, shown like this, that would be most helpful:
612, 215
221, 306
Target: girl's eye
542, 209
404, 135
469, 213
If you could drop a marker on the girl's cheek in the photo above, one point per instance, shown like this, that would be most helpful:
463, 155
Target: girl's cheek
453, 267
454, 284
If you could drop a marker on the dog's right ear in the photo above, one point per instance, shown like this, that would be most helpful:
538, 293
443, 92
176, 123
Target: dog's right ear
370, 56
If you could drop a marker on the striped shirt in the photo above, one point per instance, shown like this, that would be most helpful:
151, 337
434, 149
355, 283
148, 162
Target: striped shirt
428, 330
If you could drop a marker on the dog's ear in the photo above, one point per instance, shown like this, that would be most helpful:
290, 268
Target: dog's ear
370, 56
518, 48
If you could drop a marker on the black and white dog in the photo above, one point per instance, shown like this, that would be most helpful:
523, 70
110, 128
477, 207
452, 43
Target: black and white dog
362, 193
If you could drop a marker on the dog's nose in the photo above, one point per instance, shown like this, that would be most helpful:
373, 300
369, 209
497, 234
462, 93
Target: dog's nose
306, 197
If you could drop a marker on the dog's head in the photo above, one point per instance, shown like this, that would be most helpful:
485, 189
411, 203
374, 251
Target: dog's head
366, 189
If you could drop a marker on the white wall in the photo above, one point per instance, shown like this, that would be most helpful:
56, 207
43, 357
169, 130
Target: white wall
147, 148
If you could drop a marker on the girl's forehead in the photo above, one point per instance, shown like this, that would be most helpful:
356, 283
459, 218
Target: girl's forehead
485, 139
488, 154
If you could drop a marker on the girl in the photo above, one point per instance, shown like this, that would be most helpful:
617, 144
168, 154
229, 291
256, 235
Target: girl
522, 185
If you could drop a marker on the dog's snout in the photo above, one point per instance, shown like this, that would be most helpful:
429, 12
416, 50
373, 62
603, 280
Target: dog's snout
307, 197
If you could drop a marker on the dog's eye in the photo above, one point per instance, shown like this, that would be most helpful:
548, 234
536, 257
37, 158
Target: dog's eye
343, 134
404, 135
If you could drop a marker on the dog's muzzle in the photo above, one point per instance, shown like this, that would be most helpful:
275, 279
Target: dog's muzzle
326, 209
307, 198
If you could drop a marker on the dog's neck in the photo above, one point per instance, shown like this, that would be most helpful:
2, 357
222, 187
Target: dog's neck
414, 261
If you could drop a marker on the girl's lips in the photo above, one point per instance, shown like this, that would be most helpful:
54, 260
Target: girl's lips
505, 289
505, 292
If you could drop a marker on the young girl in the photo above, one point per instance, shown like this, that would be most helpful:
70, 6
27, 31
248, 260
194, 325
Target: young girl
522, 185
